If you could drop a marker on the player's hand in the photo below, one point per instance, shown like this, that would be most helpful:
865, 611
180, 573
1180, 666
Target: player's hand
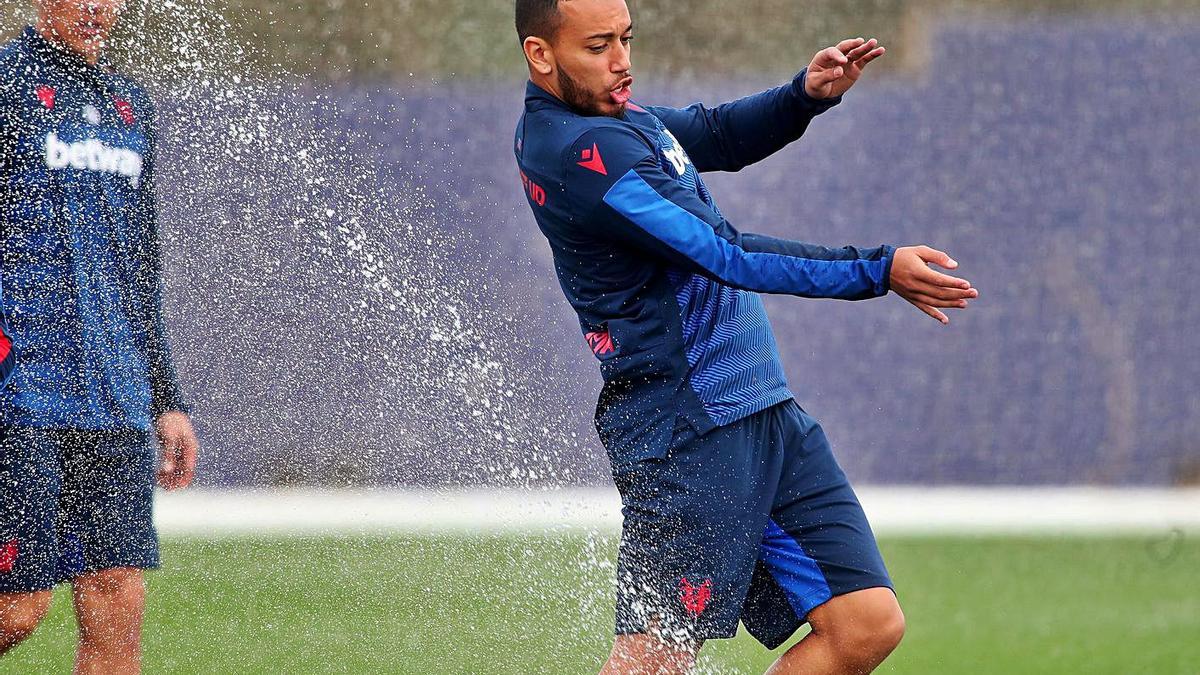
913, 280
179, 449
835, 69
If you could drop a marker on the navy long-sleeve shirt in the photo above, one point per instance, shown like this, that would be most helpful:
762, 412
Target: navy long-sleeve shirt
81, 267
666, 289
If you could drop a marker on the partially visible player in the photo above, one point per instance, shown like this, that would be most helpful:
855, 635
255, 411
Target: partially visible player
94, 382
734, 506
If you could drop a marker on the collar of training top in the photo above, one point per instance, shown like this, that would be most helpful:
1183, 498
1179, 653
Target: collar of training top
537, 98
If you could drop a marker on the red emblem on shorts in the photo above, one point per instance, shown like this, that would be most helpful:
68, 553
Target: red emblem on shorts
601, 343
693, 597
46, 94
592, 160
8, 556
125, 110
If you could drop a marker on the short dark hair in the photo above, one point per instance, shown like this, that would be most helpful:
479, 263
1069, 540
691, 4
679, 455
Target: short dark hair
538, 18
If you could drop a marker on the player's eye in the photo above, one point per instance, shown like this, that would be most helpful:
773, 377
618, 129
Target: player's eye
627, 39
597, 49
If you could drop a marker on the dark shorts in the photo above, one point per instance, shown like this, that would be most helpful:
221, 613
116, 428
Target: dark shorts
753, 522
73, 502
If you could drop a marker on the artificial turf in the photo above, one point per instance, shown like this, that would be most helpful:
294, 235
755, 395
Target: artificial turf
542, 604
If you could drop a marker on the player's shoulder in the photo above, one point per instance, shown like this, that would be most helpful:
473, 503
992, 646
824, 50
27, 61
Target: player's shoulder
14, 65
618, 134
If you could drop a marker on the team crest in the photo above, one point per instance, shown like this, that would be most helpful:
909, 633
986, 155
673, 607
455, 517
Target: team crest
601, 342
8, 556
694, 597
46, 94
125, 110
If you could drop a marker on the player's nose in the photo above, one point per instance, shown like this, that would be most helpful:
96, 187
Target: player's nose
620, 62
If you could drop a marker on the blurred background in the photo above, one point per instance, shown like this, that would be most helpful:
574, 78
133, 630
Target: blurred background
358, 294
359, 298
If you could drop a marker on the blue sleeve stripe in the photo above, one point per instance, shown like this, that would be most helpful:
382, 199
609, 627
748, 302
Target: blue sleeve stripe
691, 236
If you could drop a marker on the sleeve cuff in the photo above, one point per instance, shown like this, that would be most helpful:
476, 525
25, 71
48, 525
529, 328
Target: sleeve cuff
889, 255
172, 402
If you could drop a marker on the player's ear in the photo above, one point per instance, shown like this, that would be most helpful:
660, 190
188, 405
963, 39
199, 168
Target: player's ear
539, 54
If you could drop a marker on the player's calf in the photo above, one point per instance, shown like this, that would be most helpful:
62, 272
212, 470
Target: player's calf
20, 614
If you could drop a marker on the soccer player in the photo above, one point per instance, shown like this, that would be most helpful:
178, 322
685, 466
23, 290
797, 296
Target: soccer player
94, 380
734, 506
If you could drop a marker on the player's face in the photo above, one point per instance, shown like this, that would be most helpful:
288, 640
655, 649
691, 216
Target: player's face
591, 54
82, 26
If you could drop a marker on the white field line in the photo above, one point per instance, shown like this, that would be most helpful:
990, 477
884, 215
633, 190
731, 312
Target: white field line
892, 510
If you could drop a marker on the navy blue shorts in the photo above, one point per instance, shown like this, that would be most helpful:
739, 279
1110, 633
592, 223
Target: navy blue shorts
752, 522
73, 502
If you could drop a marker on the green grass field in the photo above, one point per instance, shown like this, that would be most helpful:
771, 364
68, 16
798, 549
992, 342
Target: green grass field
541, 604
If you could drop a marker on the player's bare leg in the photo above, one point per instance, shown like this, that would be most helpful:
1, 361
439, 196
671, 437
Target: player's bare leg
648, 654
109, 605
20, 614
851, 634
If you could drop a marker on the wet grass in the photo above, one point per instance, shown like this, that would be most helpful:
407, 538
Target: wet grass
524, 604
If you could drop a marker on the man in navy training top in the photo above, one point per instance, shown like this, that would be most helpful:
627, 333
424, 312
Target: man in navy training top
93, 379
734, 507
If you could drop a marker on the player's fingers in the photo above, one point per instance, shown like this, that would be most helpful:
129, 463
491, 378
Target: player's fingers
826, 76
936, 278
946, 293
944, 303
860, 51
830, 57
189, 451
849, 45
874, 54
939, 258
166, 471
937, 315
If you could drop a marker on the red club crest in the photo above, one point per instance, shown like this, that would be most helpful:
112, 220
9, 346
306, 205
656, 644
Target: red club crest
601, 343
694, 597
8, 556
125, 110
46, 95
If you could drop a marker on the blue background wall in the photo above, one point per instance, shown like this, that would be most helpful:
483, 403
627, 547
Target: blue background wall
1055, 158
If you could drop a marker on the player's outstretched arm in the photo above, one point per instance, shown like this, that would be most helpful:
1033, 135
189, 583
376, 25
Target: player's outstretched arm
929, 290
734, 135
629, 197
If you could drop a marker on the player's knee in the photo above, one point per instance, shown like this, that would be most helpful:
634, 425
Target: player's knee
20, 615
874, 633
650, 655
109, 597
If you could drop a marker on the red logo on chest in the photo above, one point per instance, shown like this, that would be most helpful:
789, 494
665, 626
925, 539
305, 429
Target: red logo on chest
601, 343
125, 110
694, 597
46, 95
8, 556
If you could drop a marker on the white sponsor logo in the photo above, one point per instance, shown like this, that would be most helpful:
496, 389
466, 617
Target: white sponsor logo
675, 154
93, 155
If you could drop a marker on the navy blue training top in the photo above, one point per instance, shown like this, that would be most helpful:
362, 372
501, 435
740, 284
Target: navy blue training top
78, 222
665, 288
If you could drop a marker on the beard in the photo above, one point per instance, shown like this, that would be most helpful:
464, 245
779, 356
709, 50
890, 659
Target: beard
583, 101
